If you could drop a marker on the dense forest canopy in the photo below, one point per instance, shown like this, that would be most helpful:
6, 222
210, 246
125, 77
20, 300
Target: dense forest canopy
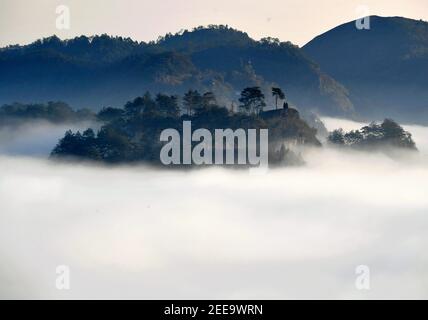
131, 133
384, 135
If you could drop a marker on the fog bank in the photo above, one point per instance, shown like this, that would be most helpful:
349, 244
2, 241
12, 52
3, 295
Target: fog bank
36, 138
292, 233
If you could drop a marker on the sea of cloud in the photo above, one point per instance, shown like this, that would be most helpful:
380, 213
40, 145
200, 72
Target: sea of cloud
135, 232
36, 138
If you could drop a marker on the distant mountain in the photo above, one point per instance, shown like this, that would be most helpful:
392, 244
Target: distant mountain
105, 71
385, 68
54, 112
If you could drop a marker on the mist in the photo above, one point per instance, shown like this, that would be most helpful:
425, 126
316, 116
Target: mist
37, 137
419, 133
135, 232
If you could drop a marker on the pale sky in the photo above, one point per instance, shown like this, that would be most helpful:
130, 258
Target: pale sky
298, 21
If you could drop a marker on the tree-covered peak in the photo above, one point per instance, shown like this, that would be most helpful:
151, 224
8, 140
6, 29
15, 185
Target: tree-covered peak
201, 38
98, 48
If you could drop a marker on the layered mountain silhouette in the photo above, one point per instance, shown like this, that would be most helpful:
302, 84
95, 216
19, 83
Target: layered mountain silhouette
104, 71
376, 73
385, 68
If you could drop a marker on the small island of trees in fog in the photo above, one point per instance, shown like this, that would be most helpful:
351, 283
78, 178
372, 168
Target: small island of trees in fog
131, 134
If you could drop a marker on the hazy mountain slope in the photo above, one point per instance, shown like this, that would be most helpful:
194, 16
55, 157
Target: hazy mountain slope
385, 68
245, 62
98, 71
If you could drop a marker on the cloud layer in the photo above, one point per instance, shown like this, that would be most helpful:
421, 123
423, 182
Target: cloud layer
140, 233
36, 138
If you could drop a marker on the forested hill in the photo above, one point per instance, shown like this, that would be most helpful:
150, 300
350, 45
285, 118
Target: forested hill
93, 72
385, 67
132, 133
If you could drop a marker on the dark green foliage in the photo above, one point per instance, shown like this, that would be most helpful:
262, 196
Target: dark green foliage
78, 145
197, 104
168, 105
97, 49
252, 100
132, 134
110, 114
192, 100
387, 134
337, 137
278, 94
202, 38
287, 123
135, 108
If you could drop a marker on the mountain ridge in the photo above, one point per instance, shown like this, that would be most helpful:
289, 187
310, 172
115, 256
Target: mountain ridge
53, 69
385, 68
